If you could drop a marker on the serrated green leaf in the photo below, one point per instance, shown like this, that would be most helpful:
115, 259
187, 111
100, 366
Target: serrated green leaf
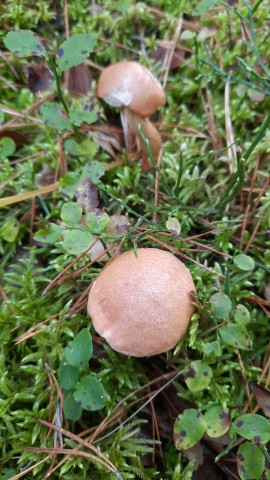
77, 241
212, 349
7, 147
189, 428
244, 262
93, 171
86, 111
235, 336
75, 50
90, 394
79, 351
71, 213
69, 183
9, 230
72, 410
24, 43
198, 376
68, 375
218, 421
242, 315
50, 234
97, 220
250, 461
88, 148
221, 305
54, 116
252, 427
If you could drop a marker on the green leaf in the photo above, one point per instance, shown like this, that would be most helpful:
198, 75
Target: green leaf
90, 394
244, 262
87, 195
72, 410
86, 111
54, 116
187, 35
221, 305
173, 226
77, 241
97, 220
212, 349
50, 234
79, 351
69, 183
87, 148
7, 147
24, 43
8, 474
189, 428
250, 461
198, 376
68, 375
242, 315
204, 6
235, 336
71, 213
9, 230
252, 427
75, 50
2, 117
93, 170
218, 421
121, 5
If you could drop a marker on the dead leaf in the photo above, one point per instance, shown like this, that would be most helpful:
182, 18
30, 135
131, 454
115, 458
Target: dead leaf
39, 79
262, 397
163, 50
87, 195
79, 80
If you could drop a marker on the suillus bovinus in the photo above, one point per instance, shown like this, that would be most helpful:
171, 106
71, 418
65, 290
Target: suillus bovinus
132, 88
142, 304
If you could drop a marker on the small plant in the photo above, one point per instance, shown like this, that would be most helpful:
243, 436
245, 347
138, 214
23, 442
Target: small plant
72, 52
81, 391
192, 424
81, 218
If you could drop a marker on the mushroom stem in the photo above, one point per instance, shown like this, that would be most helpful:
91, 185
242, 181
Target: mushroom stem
130, 124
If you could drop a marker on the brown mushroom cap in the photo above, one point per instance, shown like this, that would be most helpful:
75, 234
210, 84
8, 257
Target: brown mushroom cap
129, 84
141, 305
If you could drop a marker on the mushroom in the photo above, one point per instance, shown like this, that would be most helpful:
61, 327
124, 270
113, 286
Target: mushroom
142, 304
132, 87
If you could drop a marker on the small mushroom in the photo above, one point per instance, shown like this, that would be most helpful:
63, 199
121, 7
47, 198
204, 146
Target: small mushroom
142, 304
132, 87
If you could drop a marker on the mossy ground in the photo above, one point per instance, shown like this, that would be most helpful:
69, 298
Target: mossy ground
216, 96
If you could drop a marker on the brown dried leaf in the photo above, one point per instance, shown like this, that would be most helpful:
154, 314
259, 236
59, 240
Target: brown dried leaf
262, 397
109, 143
87, 195
39, 78
163, 50
46, 176
118, 224
79, 80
